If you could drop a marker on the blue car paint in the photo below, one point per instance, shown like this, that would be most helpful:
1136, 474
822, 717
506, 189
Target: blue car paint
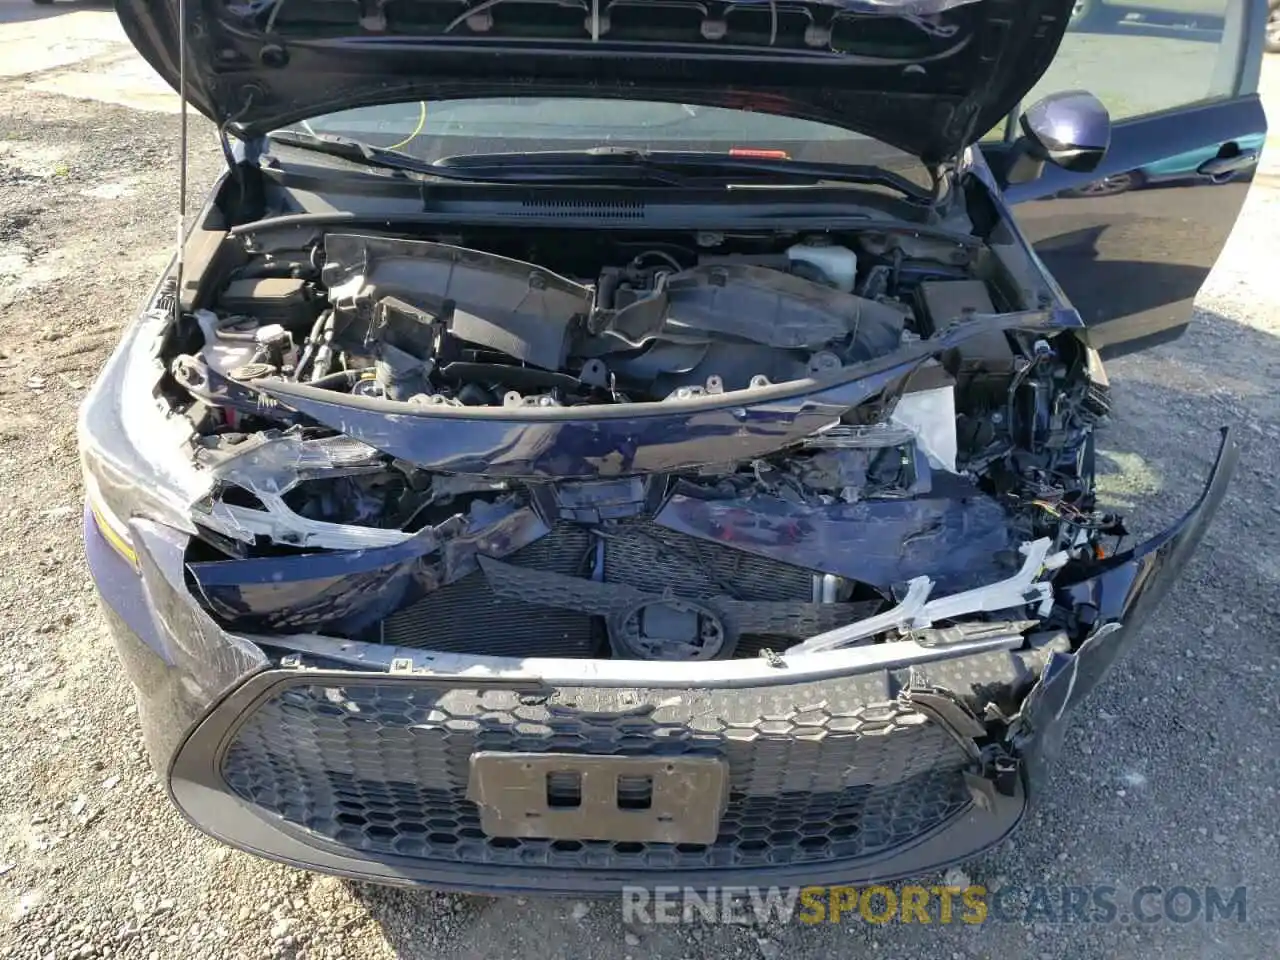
954, 535
1186, 164
120, 585
347, 591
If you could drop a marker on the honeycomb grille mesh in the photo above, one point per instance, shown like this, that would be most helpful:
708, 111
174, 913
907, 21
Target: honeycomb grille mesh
382, 769
467, 617
650, 557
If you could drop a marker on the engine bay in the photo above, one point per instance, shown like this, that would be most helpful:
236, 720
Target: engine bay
980, 443
429, 322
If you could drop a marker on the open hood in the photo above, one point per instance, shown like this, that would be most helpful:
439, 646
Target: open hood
926, 76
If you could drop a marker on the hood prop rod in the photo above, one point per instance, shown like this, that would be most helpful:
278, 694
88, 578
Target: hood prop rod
182, 151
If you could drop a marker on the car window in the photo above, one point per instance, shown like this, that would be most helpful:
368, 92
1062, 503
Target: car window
1146, 56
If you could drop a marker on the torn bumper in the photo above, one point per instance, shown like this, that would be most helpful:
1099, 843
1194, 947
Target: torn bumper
1118, 599
350, 760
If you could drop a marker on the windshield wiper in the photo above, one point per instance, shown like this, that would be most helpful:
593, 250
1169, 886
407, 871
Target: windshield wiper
607, 165
357, 151
695, 168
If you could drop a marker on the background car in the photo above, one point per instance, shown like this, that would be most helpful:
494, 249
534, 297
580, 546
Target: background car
1096, 13
1093, 14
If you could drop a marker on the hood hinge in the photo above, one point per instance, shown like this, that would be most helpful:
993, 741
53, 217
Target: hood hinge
250, 93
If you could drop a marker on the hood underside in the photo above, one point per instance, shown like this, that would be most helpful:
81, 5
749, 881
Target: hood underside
926, 76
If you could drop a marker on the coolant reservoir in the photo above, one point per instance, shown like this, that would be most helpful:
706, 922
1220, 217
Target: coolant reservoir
838, 264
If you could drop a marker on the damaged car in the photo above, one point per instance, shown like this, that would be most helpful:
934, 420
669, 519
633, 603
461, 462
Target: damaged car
580, 445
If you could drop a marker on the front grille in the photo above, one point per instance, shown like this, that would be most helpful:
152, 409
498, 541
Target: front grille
816, 775
650, 557
467, 617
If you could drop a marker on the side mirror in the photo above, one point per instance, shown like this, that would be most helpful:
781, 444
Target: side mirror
1071, 130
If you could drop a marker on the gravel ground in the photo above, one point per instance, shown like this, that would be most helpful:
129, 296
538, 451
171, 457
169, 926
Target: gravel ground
1169, 775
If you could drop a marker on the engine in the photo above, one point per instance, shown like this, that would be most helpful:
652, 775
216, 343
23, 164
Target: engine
434, 323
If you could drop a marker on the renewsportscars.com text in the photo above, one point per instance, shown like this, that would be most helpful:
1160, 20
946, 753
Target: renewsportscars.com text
973, 904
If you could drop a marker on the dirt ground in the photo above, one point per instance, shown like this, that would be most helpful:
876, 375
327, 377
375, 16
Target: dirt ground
1169, 775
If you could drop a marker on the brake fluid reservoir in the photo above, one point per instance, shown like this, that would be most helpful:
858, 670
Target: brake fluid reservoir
838, 264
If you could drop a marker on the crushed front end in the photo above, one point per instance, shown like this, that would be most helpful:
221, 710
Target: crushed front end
498, 566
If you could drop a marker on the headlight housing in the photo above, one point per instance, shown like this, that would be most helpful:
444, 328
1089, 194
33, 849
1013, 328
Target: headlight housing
132, 446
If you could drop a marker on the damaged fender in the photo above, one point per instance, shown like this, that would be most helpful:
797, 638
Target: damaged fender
351, 590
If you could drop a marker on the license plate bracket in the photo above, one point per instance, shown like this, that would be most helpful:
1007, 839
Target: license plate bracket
563, 796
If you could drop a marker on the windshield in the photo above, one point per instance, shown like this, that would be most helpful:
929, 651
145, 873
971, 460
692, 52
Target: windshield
431, 130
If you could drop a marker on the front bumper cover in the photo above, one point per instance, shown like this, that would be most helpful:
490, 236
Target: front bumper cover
296, 750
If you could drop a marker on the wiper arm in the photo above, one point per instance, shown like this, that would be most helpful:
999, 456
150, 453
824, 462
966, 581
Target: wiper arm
685, 166
358, 151
349, 148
